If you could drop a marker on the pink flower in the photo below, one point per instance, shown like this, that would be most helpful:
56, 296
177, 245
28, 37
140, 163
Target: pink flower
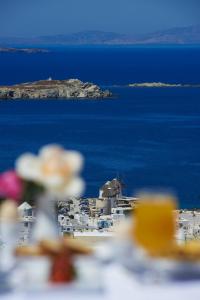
11, 185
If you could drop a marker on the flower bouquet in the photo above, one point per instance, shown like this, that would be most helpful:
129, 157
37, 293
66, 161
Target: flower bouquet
50, 177
41, 180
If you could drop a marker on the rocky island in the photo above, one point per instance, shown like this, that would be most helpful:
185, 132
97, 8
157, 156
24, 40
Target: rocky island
22, 50
162, 85
154, 84
49, 89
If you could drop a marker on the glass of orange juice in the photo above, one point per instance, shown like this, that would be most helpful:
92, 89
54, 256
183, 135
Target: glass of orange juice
154, 222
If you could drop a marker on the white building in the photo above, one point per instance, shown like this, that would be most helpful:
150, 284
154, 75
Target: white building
189, 223
27, 219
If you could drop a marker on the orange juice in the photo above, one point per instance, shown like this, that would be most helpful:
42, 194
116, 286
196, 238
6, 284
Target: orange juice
154, 227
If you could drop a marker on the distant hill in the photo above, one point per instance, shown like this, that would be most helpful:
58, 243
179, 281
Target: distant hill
89, 37
79, 38
179, 35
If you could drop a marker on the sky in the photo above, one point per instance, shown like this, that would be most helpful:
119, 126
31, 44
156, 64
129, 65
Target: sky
48, 17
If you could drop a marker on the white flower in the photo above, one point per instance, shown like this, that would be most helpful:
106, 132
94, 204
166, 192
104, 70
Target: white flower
28, 166
75, 185
55, 168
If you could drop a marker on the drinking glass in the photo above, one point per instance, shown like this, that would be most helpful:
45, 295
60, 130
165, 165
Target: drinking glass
154, 222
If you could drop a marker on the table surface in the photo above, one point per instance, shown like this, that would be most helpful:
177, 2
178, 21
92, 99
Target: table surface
118, 283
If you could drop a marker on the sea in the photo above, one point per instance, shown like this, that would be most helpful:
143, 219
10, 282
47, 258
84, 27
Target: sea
147, 137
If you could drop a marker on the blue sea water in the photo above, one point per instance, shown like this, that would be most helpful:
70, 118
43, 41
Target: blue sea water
148, 137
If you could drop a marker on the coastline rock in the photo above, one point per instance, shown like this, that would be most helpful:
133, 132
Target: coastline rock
48, 89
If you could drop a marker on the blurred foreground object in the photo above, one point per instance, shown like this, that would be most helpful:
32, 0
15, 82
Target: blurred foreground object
11, 186
55, 168
56, 171
11, 190
8, 232
154, 229
188, 252
60, 253
154, 222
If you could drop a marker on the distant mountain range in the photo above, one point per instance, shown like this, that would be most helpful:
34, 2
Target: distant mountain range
179, 35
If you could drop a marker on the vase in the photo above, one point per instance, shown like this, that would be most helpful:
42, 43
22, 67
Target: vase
46, 220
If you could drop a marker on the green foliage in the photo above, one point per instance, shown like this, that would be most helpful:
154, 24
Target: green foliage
32, 191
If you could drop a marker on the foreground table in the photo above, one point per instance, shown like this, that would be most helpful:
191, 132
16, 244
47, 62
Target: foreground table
117, 284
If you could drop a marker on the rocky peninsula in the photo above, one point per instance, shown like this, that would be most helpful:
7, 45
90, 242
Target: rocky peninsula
51, 89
